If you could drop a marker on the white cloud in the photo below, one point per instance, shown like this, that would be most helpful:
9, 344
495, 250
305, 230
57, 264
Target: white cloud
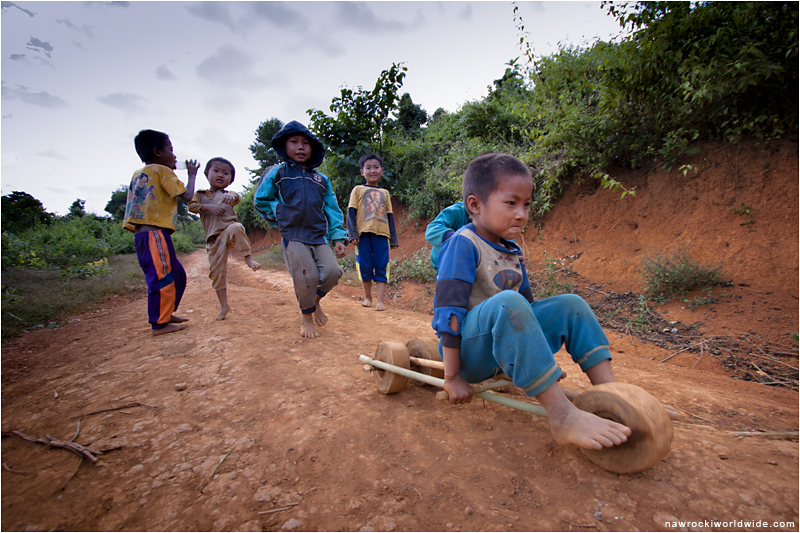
127, 102
231, 67
39, 99
216, 12
52, 154
163, 73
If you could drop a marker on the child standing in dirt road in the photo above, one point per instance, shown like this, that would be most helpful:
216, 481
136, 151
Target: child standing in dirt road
151, 210
222, 228
486, 318
370, 225
301, 202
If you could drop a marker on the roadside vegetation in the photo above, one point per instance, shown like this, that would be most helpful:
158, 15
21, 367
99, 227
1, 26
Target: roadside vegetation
686, 72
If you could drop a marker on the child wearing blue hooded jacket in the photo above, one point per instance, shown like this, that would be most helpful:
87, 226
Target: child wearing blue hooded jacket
300, 201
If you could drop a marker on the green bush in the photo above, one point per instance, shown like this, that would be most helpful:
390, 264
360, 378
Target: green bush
675, 272
415, 268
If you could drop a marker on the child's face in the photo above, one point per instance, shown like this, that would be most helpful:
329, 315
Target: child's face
298, 148
505, 212
372, 172
165, 156
219, 175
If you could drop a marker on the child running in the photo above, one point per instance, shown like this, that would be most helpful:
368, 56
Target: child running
301, 202
486, 318
151, 210
370, 225
223, 231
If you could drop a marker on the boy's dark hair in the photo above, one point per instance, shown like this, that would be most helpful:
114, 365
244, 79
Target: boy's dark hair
484, 173
220, 160
147, 141
365, 158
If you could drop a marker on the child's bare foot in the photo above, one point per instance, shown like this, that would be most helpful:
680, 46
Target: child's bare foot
671, 412
320, 318
223, 312
252, 264
169, 328
307, 328
380, 306
588, 430
367, 302
177, 319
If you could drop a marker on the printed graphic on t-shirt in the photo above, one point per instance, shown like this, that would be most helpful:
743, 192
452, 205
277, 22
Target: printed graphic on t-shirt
141, 193
507, 279
375, 206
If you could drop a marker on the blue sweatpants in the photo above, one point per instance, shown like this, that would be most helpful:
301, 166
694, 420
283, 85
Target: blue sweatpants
372, 257
507, 334
165, 276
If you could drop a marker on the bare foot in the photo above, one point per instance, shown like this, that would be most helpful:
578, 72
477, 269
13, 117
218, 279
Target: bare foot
223, 312
320, 318
367, 302
252, 264
169, 328
177, 319
307, 328
588, 430
379, 306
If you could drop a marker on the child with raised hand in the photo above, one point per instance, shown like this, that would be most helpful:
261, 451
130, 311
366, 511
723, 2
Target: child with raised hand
488, 322
151, 210
223, 230
301, 202
370, 225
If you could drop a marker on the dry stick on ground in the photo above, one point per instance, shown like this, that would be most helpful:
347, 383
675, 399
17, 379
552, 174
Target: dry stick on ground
701, 356
74, 447
680, 351
64, 486
126, 406
770, 434
5, 467
279, 509
765, 356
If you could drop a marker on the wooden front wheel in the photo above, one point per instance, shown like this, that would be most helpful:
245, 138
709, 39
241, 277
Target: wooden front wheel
651, 429
395, 354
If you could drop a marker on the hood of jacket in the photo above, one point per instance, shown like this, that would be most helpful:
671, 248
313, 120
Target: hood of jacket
294, 128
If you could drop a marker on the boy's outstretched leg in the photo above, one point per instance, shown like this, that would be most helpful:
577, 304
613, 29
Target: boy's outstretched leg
251, 263
224, 308
570, 425
367, 293
381, 305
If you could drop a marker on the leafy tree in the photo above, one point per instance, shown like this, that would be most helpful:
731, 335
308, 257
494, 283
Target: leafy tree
361, 123
410, 116
262, 148
437, 115
20, 211
77, 209
116, 205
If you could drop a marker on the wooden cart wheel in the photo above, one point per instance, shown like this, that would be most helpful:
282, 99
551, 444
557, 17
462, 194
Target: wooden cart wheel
425, 349
651, 428
395, 354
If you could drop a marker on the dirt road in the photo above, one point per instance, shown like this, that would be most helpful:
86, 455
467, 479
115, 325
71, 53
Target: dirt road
243, 425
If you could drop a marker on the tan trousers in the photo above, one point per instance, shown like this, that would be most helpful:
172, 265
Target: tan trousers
233, 235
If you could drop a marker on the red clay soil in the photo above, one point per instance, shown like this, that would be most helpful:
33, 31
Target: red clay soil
242, 425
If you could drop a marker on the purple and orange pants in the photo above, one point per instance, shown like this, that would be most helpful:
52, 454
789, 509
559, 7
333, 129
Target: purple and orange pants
165, 276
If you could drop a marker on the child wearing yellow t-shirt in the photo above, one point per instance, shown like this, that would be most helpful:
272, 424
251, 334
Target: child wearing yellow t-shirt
370, 225
151, 210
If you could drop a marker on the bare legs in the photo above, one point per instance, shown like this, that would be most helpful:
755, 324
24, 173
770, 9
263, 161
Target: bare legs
222, 296
381, 286
308, 321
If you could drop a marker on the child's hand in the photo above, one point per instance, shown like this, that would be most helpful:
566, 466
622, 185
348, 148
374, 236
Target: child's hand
394, 246
354, 241
214, 209
228, 198
458, 390
192, 166
340, 249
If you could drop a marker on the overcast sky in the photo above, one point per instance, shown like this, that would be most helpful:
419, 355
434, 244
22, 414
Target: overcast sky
80, 79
